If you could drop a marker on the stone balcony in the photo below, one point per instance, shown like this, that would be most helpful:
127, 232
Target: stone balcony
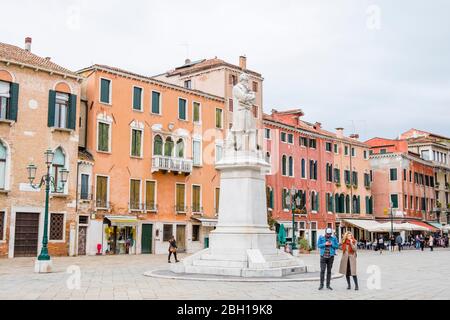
171, 164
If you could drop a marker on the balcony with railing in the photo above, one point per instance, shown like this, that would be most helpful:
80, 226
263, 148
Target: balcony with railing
171, 164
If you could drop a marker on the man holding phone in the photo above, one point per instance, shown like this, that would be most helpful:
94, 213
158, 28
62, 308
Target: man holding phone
327, 245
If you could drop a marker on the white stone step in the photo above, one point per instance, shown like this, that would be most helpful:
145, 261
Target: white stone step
236, 272
224, 257
220, 263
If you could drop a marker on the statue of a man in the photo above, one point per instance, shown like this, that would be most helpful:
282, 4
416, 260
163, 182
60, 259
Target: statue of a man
244, 124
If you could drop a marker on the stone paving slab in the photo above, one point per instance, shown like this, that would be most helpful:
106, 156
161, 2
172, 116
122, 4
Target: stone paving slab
406, 275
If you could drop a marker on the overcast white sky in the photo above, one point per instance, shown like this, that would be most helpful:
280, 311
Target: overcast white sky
375, 67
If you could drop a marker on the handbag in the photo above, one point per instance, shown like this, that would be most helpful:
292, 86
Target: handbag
173, 250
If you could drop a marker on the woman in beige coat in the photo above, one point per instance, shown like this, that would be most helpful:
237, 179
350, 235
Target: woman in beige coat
348, 262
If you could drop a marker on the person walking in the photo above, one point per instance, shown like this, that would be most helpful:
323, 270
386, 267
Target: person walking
399, 242
173, 249
327, 245
380, 244
422, 242
431, 243
392, 243
417, 242
348, 261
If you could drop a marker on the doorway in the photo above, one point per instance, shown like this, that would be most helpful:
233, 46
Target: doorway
181, 238
26, 235
82, 235
147, 238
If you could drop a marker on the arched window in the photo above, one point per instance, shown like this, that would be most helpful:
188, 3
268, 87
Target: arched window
314, 201
336, 204
342, 203
168, 147
355, 204
158, 146
59, 163
284, 165
291, 167
180, 149
347, 204
3, 154
303, 168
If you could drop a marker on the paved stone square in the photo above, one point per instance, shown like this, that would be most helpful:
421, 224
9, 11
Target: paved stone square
406, 275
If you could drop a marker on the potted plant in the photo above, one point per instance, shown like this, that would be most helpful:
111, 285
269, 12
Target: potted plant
338, 184
304, 246
355, 186
439, 204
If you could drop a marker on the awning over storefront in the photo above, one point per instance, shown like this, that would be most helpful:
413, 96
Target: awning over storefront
425, 225
437, 225
386, 227
369, 225
122, 221
211, 223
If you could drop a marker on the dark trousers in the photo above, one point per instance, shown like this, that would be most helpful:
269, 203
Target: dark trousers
431, 248
399, 247
326, 264
174, 254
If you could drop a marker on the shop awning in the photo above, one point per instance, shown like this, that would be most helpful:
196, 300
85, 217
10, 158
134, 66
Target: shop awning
437, 225
369, 225
208, 222
426, 225
122, 220
386, 227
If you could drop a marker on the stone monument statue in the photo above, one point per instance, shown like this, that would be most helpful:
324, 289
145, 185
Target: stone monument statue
243, 134
242, 244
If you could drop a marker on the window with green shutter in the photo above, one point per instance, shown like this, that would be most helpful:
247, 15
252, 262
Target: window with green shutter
103, 137
156, 101
105, 91
394, 201
182, 109
135, 195
136, 143
137, 98
393, 174
51, 108
72, 121
9, 100
197, 112
101, 195
150, 196
219, 120
158, 146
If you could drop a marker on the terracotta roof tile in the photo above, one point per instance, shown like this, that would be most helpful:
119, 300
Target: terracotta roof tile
205, 65
18, 55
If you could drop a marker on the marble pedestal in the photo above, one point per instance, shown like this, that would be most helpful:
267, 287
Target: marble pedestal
242, 244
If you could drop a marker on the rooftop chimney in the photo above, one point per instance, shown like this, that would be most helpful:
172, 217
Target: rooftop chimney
317, 125
243, 62
187, 61
340, 132
28, 41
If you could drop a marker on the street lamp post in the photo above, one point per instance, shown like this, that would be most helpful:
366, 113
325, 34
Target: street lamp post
43, 263
392, 220
295, 203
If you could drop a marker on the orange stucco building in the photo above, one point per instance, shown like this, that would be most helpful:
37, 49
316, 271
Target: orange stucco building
155, 146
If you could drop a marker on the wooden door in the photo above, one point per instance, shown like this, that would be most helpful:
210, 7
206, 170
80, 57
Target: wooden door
82, 233
147, 238
26, 235
181, 238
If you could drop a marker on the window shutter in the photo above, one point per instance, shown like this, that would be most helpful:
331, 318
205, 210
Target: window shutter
317, 202
51, 108
14, 102
73, 111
